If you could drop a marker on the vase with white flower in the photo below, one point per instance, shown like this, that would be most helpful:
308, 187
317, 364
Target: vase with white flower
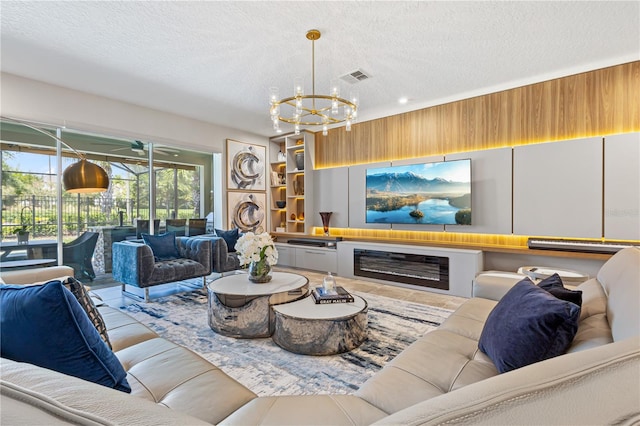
259, 252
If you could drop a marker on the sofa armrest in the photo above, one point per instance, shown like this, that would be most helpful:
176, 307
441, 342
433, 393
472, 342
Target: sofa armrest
220, 252
221, 261
495, 284
35, 275
133, 262
198, 249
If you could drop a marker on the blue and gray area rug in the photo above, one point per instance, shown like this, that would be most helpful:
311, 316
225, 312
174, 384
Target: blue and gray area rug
267, 369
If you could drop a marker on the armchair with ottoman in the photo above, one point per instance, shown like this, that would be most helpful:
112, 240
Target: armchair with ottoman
441, 378
160, 259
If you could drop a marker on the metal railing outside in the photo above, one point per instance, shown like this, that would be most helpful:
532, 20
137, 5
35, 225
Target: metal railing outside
79, 213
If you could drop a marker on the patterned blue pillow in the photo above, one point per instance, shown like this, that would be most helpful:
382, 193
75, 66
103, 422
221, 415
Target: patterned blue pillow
45, 325
553, 285
528, 325
163, 246
229, 237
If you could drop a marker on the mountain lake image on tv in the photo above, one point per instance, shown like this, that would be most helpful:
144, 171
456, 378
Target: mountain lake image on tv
426, 193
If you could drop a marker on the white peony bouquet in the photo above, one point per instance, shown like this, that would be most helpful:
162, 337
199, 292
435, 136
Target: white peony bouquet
256, 248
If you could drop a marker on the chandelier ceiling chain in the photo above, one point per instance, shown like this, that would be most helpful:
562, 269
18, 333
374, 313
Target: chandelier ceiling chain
314, 109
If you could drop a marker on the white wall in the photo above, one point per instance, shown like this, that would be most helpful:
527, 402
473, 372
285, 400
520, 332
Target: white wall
35, 101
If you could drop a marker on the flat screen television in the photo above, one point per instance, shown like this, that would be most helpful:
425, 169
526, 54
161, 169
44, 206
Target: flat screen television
425, 193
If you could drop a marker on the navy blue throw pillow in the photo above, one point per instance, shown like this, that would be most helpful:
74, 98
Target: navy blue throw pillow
163, 246
229, 237
528, 325
45, 325
553, 285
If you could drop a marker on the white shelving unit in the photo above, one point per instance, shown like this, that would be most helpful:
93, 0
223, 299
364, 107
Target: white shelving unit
289, 182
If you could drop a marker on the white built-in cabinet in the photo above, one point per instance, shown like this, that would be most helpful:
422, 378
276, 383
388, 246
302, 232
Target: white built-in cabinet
312, 258
557, 189
331, 194
622, 186
491, 193
579, 188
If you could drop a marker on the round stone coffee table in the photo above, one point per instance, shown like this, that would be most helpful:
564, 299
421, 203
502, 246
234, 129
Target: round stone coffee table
307, 328
240, 308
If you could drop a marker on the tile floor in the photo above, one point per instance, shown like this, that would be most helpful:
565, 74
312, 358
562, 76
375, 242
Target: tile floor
109, 290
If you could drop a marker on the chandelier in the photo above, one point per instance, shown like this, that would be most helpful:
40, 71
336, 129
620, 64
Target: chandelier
313, 109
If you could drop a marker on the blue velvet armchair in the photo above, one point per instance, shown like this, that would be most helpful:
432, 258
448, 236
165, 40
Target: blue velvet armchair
134, 264
222, 260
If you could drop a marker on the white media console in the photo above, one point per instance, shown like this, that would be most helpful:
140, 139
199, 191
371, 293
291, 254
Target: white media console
308, 257
442, 270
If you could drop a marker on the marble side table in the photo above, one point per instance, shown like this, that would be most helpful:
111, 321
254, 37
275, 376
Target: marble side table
541, 272
307, 328
242, 309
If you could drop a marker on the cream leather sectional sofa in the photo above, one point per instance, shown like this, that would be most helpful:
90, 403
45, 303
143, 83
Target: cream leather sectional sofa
441, 378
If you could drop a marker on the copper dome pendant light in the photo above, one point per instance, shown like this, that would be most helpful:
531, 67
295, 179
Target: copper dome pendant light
82, 177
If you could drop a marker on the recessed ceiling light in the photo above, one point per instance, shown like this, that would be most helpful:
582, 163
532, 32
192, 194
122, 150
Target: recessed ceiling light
403, 100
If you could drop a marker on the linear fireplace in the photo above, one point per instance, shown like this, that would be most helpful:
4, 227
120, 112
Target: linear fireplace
416, 269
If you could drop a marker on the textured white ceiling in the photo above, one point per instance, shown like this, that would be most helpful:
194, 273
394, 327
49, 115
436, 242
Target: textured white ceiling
215, 61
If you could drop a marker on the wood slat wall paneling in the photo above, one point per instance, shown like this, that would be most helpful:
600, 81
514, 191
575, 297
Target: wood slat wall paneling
595, 103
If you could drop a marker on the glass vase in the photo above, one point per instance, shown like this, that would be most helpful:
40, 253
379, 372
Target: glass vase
329, 283
259, 272
326, 217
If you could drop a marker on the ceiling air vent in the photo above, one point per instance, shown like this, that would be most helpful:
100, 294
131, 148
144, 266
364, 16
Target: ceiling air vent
355, 76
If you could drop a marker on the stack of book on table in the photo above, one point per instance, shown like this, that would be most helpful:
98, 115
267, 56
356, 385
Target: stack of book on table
339, 295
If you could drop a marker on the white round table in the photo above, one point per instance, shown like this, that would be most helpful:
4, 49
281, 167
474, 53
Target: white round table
307, 328
542, 272
241, 308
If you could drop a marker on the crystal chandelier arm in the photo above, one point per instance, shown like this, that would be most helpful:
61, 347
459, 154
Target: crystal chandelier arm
327, 97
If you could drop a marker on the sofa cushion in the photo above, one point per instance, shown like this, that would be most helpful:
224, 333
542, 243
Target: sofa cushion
594, 387
230, 237
46, 326
528, 325
440, 361
33, 395
305, 409
163, 246
553, 285
174, 376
